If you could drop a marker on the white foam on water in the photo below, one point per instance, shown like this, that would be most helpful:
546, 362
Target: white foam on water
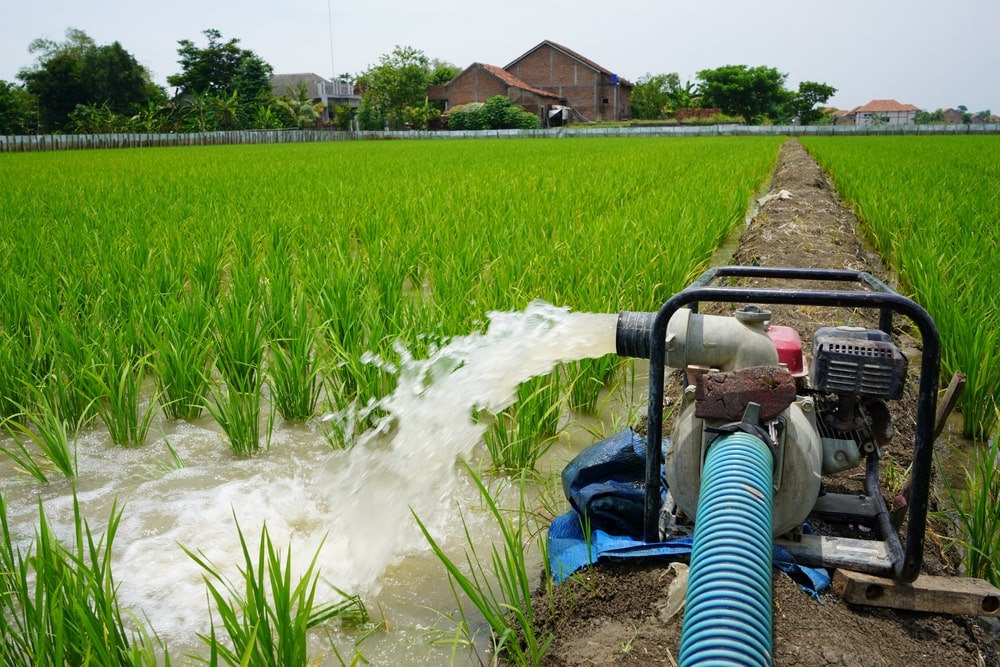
353, 507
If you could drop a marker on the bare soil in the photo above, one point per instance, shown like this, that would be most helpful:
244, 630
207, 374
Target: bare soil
614, 613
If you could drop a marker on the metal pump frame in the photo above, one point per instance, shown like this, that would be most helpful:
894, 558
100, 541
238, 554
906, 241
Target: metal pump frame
903, 564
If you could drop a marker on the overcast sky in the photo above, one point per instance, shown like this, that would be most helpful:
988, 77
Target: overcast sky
922, 52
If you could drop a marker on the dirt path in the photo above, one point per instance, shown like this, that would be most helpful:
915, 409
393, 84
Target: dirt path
614, 615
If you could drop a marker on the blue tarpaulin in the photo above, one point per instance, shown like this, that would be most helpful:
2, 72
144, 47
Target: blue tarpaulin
606, 483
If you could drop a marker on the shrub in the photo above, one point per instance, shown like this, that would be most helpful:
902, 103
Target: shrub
497, 113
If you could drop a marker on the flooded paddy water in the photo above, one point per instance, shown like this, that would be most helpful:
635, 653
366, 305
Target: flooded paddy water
351, 507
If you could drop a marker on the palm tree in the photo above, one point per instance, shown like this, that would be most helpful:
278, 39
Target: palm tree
225, 110
299, 108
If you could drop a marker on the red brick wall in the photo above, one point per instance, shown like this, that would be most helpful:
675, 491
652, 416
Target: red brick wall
474, 85
701, 114
583, 87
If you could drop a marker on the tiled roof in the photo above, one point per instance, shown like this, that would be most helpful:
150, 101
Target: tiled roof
883, 106
513, 81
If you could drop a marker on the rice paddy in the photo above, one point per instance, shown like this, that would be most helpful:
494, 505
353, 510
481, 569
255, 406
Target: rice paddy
931, 206
280, 289
277, 290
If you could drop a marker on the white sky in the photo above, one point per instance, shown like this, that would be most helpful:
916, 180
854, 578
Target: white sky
921, 52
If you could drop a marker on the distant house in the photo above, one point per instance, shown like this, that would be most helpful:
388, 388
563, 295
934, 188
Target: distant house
478, 82
543, 80
318, 89
594, 92
884, 112
843, 117
952, 116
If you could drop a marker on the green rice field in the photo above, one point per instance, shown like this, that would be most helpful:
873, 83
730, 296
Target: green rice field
219, 325
205, 331
170, 263
931, 207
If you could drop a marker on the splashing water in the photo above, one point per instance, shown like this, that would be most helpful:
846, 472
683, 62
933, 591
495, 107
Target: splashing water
432, 425
353, 506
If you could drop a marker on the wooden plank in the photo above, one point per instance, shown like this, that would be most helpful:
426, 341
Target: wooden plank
941, 595
948, 402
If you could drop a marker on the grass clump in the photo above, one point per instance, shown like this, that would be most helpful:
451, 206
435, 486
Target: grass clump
44, 442
499, 587
59, 604
523, 433
266, 615
977, 513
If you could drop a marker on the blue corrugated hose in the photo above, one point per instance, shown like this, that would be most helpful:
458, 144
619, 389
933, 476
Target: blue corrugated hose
727, 618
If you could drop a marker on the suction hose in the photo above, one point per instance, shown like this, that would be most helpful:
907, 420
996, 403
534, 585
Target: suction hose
728, 610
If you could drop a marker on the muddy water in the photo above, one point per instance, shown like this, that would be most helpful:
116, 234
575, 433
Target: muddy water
352, 508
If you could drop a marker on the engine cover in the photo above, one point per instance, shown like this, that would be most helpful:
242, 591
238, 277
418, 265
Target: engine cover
857, 361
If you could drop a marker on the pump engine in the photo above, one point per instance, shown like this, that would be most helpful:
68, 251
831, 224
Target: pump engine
818, 423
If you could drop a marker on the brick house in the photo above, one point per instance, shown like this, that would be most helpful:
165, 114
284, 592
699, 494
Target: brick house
953, 116
478, 82
547, 76
891, 112
594, 93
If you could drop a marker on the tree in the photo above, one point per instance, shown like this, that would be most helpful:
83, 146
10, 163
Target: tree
804, 103
657, 95
496, 113
95, 119
929, 117
17, 109
682, 96
298, 109
79, 72
442, 72
650, 96
395, 88
221, 69
755, 93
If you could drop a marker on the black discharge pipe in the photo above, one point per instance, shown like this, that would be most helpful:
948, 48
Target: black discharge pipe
633, 334
643, 336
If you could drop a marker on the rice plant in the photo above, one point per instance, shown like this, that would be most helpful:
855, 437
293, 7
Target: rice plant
120, 407
267, 615
977, 513
522, 433
239, 326
206, 272
239, 344
499, 586
238, 413
588, 378
19, 356
72, 379
295, 377
239, 354
182, 358
44, 441
294, 374
59, 603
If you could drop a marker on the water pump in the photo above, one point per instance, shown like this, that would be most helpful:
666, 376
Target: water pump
745, 373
